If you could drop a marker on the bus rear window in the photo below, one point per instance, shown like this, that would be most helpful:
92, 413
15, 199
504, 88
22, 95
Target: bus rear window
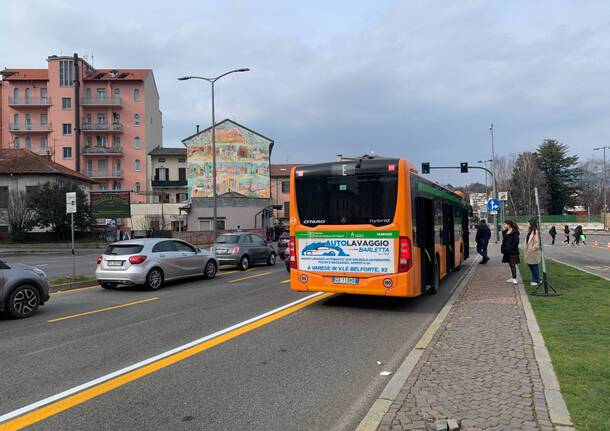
347, 193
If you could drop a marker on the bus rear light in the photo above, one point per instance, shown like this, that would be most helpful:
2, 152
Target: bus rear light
292, 247
405, 257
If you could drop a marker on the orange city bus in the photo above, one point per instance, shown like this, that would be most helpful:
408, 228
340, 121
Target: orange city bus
373, 226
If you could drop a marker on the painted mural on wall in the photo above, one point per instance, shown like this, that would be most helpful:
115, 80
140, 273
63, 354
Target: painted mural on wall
242, 162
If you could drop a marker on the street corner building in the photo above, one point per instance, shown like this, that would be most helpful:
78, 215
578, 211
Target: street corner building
243, 184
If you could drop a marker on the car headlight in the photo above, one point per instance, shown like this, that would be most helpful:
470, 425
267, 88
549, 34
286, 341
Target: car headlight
39, 272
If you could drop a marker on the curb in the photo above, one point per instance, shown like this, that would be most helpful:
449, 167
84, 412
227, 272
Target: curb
558, 411
71, 286
380, 407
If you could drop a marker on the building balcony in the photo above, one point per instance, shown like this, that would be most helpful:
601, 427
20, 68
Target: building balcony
30, 128
101, 127
103, 151
101, 174
168, 183
26, 102
99, 102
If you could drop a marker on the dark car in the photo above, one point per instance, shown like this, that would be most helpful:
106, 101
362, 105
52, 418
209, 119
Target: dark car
23, 289
243, 249
282, 244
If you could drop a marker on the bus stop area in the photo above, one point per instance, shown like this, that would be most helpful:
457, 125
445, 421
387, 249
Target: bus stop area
482, 365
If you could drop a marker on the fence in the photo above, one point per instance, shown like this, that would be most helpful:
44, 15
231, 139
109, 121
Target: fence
559, 219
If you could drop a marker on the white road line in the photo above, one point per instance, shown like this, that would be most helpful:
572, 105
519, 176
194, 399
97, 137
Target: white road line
66, 393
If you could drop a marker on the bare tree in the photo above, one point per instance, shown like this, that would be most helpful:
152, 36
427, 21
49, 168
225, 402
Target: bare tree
527, 174
591, 185
21, 217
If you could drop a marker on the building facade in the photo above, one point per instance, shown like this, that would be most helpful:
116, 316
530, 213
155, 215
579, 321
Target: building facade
99, 122
280, 192
168, 168
242, 170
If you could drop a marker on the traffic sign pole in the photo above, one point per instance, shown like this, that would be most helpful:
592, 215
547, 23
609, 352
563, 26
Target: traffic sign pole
71, 209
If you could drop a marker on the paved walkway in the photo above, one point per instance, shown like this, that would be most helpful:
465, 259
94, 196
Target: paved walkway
480, 370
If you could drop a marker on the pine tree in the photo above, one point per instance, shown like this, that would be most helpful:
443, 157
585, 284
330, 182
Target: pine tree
561, 175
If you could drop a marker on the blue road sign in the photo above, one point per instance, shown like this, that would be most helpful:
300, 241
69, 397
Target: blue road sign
493, 205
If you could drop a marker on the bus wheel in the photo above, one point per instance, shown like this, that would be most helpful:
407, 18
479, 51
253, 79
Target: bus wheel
436, 278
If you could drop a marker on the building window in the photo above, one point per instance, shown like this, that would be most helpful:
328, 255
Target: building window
16, 121
44, 142
88, 95
43, 95
16, 95
136, 142
89, 141
136, 95
4, 197
28, 95
100, 140
102, 164
116, 185
181, 160
67, 152
285, 186
28, 142
66, 73
161, 159
138, 187
117, 95
100, 93
66, 128
16, 142
101, 118
136, 119
116, 141
136, 165
44, 119
66, 103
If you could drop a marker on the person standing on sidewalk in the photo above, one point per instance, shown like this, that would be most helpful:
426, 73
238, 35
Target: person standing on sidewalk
566, 232
510, 248
482, 240
553, 234
531, 251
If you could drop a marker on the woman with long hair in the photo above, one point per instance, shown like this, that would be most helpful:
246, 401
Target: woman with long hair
531, 251
510, 248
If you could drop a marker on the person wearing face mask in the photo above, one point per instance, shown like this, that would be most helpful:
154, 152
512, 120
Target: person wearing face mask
510, 248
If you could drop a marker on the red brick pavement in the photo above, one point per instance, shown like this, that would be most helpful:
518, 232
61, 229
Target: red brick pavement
480, 369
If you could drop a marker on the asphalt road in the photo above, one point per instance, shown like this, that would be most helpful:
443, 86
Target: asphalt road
311, 369
595, 259
56, 263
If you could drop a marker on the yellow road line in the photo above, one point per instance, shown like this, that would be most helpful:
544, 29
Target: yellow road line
248, 278
285, 281
114, 307
59, 292
68, 402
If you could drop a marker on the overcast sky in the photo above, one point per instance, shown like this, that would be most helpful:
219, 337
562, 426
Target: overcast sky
417, 79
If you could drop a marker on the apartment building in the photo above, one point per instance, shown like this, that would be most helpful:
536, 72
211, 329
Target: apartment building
99, 122
280, 191
168, 166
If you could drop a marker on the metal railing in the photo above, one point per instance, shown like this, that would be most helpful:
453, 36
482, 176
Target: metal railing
114, 149
101, 127
29, 101
30, 127
101, 101
108, 173
168, 183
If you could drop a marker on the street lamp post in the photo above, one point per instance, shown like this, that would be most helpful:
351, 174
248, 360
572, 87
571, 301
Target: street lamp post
484, 162
605, 185
493, 173
214, 194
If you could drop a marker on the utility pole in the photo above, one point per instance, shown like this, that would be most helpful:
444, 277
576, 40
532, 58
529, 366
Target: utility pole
76, 115
493, 174
605, 188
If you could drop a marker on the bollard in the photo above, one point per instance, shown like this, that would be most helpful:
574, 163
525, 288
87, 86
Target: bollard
596, 243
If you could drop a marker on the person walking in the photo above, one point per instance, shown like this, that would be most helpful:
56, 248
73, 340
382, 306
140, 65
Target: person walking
577, 235
482, 240
531, 251
510, 248
553, 233
566, 232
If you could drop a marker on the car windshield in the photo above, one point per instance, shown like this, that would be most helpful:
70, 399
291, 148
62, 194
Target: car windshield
227, 239
123, 249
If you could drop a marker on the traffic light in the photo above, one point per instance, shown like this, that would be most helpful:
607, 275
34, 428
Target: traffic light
464, 167
425, 168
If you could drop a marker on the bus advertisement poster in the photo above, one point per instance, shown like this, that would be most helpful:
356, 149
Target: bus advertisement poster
347, 251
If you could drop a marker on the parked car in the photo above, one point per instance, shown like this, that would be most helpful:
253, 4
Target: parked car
282, 244
243, 249
23, 288
151, 262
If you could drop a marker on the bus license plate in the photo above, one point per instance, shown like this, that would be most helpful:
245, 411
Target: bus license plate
345, 280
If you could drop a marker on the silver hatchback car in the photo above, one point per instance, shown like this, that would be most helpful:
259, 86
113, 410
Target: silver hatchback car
152, 261
23, 288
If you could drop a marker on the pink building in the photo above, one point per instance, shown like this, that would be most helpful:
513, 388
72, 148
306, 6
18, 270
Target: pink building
100, 122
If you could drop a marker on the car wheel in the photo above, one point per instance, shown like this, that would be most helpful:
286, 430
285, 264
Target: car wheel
244, 262
210, 270
23, 301
109, 286
154, 279
271, 260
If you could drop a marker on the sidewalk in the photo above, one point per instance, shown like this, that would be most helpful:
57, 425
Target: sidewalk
480, 369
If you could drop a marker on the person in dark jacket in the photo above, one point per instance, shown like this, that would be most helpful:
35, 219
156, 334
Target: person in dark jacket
510, 248
566, 232
482, 240
553, 233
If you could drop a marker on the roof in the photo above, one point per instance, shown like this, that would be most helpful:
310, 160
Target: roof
118, 75
282, 170
232, 122
168, 151
24, 162
25, 74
